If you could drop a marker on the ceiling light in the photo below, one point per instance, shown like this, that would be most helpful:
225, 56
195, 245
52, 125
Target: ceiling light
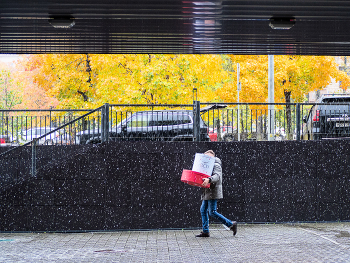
62, 22
282, 22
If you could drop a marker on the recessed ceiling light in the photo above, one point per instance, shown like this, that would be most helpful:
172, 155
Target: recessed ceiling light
282, 22
62, 22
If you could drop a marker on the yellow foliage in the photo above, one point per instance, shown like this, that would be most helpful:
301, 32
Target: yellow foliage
88, 80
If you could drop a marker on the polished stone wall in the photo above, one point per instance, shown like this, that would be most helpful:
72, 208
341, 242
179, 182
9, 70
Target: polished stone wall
136, 185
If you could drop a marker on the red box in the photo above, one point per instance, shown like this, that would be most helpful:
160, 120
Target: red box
194, 178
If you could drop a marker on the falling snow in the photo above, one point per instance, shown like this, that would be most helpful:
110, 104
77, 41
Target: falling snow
136, 185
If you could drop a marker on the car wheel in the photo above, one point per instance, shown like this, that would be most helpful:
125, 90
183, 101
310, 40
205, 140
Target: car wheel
93, 141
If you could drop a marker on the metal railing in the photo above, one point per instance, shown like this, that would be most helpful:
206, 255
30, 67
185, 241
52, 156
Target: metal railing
164, 122
22, 126
66, 132
11, 157
254, 121
176, 122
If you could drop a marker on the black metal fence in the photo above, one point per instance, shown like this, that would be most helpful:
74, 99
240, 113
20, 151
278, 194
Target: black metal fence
254, 121
177, 122
54, 135
22, 126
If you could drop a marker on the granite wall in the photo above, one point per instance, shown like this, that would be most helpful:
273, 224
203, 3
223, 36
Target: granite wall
136, 185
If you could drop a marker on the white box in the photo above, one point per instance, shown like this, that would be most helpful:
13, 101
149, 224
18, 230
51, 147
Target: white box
203, 164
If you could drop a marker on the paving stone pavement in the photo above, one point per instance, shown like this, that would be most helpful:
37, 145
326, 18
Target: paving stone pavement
307, 242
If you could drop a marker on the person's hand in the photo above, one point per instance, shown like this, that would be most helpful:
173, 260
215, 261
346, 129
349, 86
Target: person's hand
205, 182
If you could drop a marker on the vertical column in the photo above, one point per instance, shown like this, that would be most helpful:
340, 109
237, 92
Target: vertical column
238, 106
271, 99
102, 124
298, 121
196, 121
105, 123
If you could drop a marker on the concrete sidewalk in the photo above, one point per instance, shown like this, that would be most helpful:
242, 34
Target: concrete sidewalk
314, 242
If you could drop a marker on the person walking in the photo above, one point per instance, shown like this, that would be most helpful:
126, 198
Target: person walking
210, 197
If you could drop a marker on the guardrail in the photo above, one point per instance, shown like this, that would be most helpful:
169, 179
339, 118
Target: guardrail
175, 122
254, 121
182, 122
22, 126
54, 134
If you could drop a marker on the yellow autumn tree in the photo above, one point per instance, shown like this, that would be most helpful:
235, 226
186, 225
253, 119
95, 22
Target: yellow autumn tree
67, 78
159, 79
83, 81
87, 80
253, 78
294, 77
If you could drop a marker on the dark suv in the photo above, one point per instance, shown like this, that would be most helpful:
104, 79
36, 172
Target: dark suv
329, 118
176, 125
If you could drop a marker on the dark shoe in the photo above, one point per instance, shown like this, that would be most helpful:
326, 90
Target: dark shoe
203, 234
234, 227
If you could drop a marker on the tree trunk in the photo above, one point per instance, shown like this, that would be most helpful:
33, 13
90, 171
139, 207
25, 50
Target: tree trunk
218, 130
88, 69
260, 131
83, 94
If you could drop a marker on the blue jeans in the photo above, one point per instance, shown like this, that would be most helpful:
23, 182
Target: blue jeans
208, 208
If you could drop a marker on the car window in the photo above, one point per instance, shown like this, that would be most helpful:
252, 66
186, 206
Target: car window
41, 131
29, 132
139, 120
170, 118
335, 100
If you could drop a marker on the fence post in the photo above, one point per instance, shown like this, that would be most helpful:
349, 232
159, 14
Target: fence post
196, 120
102, 124
34, 157
105, 123
298, 121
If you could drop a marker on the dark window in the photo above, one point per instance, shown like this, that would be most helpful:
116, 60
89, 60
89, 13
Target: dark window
139, 120
335, 100
169, 118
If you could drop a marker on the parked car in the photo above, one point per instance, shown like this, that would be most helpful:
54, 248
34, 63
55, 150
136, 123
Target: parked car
51, 139
328, 120
175, 125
